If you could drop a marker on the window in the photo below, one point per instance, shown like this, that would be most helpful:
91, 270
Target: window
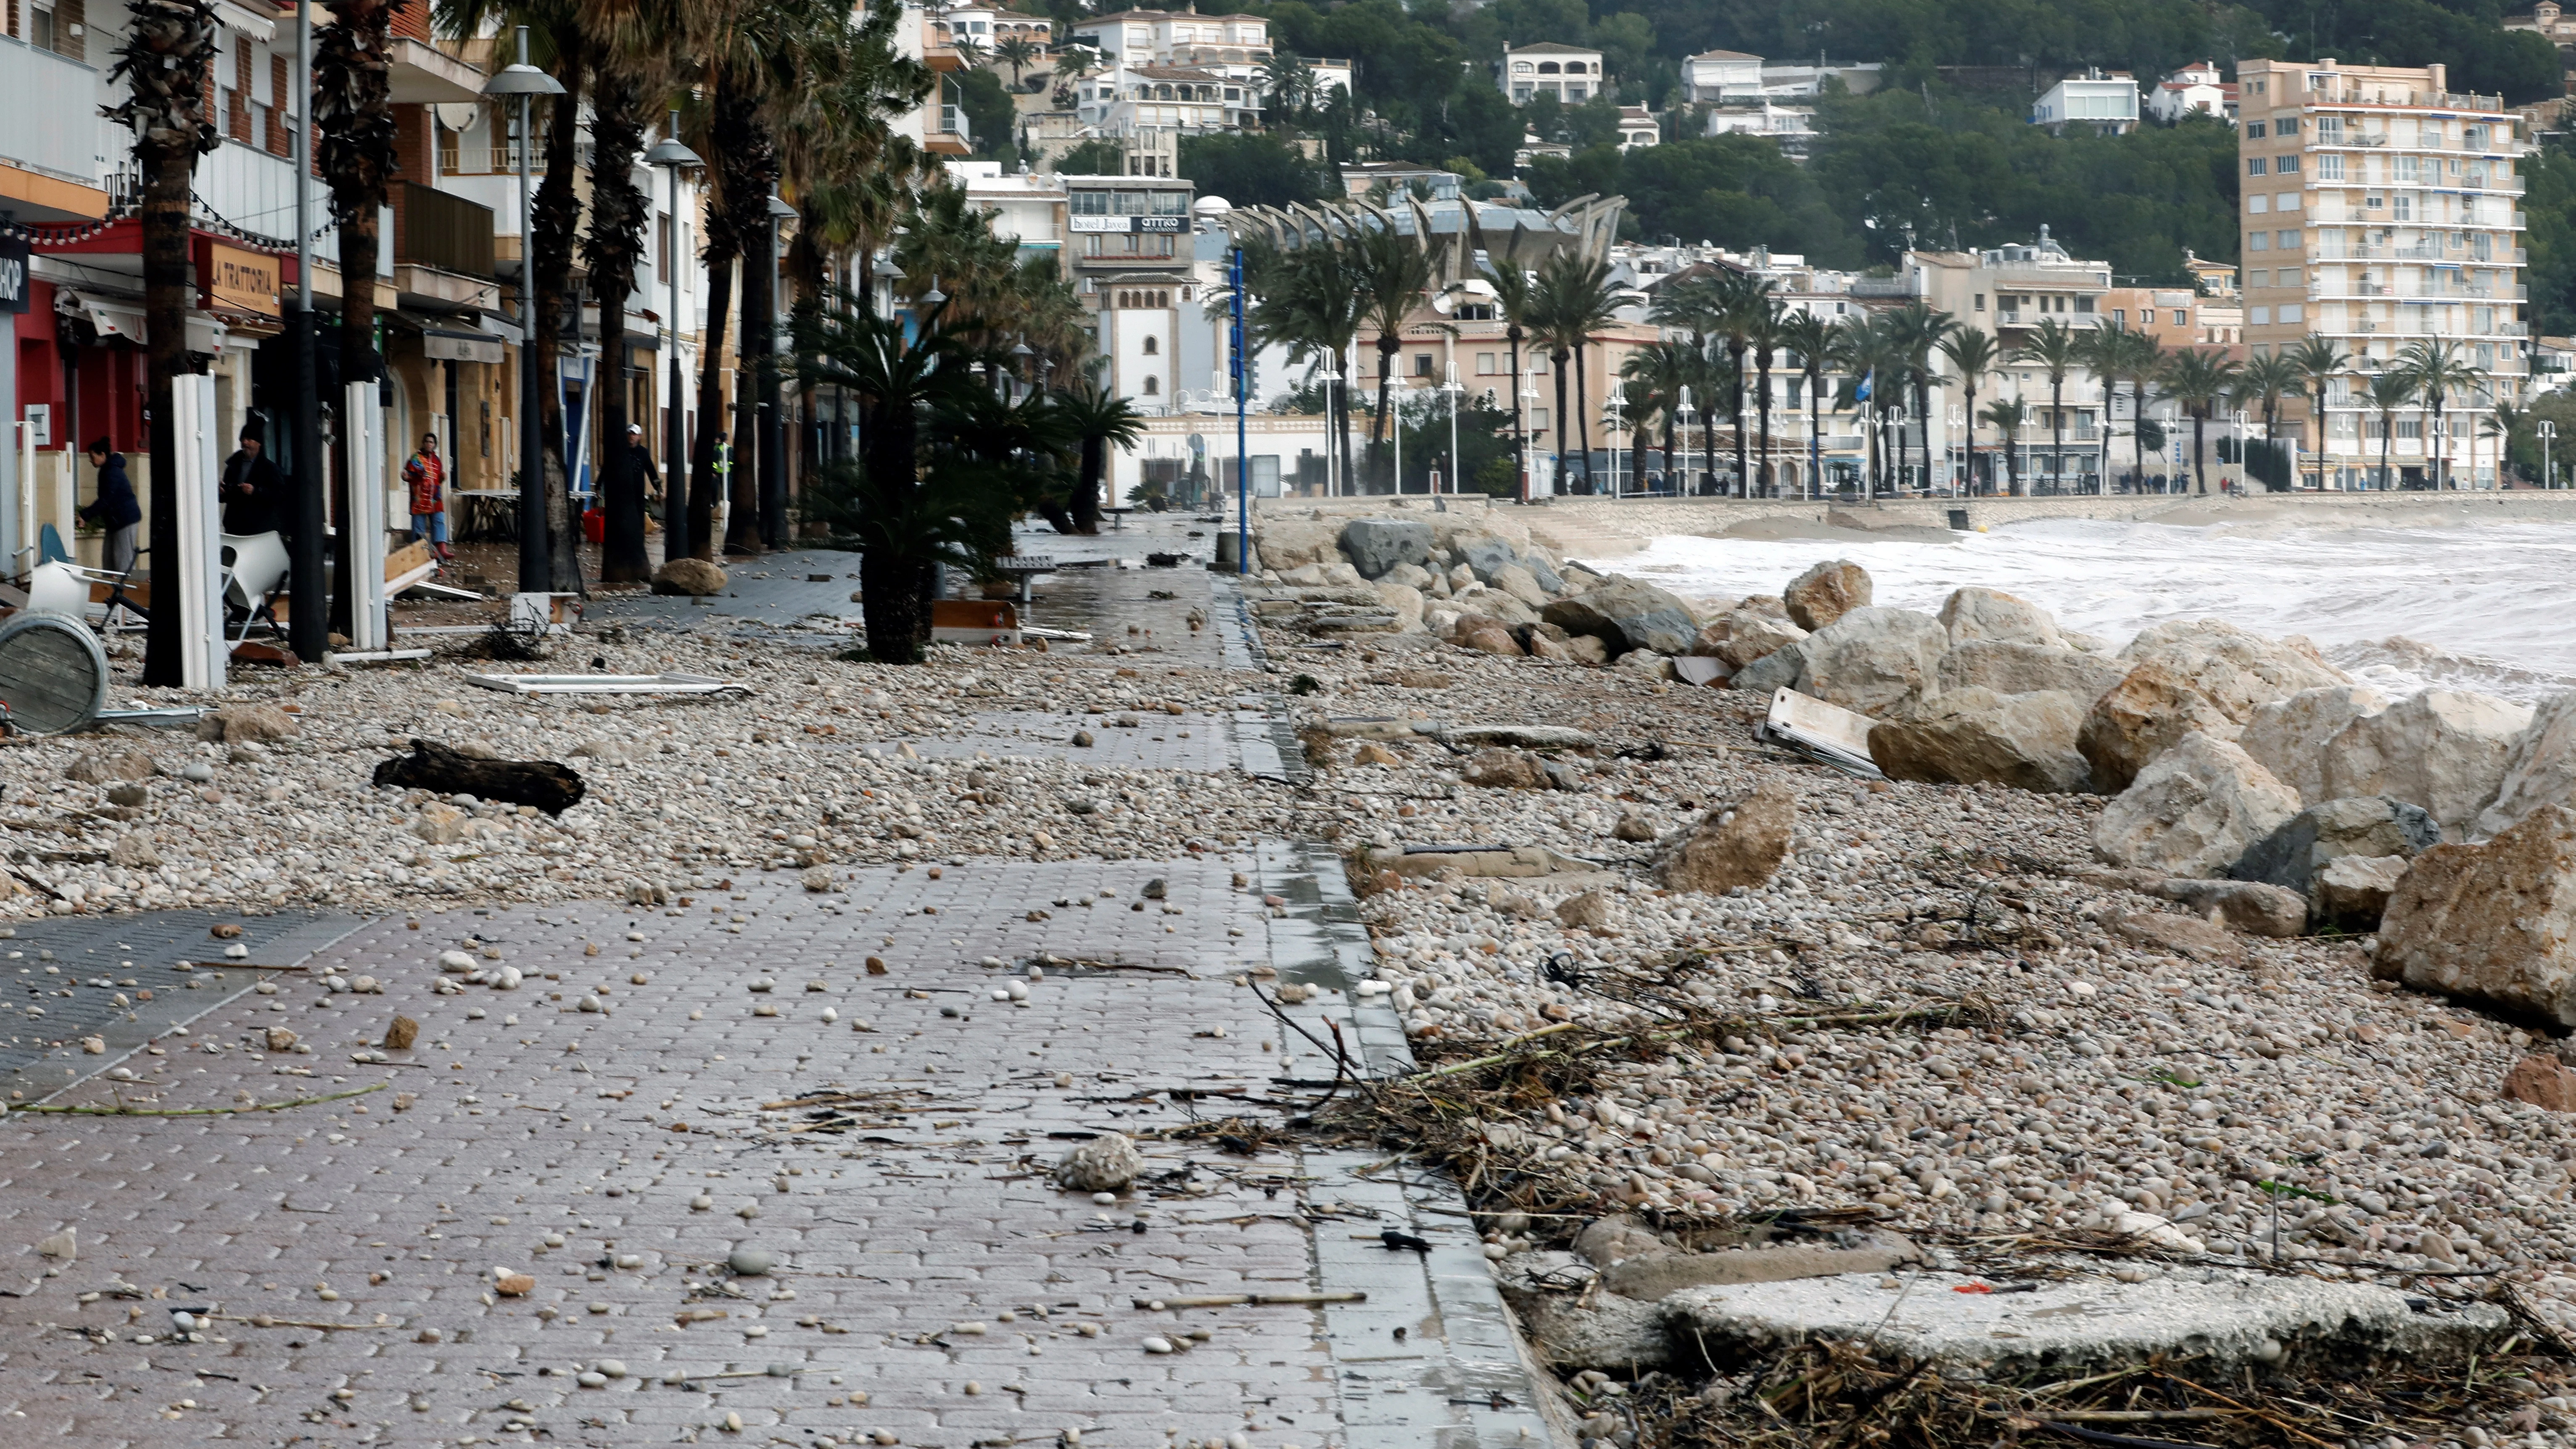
2329, 130
2256, 241
1089, 203
2286, 126
2259, 316
2258, 203
1538, 420
1422, 364
1484, 364
1981, 302
2287, 166
1153, 385
2253, 130
2084, 305
1170, 203
2409, 168
1520, 67
2287, 241
2403, 207
2292, 311
1547, 67
2330, 168
1153, 345
2255, 165
2120, 317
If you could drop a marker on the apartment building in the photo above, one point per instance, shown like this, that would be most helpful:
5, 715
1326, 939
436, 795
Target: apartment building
1571, 74
2008, 291
2382, 209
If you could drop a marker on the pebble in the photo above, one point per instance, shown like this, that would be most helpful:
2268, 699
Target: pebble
751, 1262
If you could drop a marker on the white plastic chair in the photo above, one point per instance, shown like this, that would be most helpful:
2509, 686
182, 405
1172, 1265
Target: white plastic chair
255, 568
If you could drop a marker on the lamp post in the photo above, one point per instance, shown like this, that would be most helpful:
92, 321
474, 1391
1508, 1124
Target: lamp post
2547, 430
308, 624
773, 417
1455, 390
1242, 445
671, 156
524, 82
1332, 455
1611, 416
1684, 412
1529, 399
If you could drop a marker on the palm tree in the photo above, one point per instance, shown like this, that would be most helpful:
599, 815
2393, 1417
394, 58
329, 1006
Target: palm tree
1742, 301
2056, 349
2440, 371
167, 58
1768, 328
1664, 368
1915, 329
2138, 359
2197, 381
1513, 294
2261, 382
355, 145
1289, 82
1017, 51
1864, 355
970, 50
1098, 419
1307, 300
2100, 352
1974, 352
2319, 363
2005, 414
1395, 272
1809, 339
2389, 391
1573, 300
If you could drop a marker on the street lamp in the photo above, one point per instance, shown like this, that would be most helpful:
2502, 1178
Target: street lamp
1455, 391
1529, 399
1332, 455
525, 82
1685, 412
1610, 419
672, 156
2547, 430
773, 416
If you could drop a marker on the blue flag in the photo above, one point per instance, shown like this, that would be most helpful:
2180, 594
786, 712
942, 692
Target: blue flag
1861, 393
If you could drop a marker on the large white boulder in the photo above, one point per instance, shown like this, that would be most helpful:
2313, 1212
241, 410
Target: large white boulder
1874, 661
2201, 675
1626, 614
1993, 614
2288, 736
1826, 592
2493, 922
2011, 668
1739, 636
2443, 749
1975, 736
2540, 770
1286, 543
2193, 810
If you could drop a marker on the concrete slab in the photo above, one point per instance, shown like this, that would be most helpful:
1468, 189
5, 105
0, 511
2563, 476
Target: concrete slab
2227, 1321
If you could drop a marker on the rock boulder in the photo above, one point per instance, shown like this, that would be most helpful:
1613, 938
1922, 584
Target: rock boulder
2288, 736
2361, 825
1626, 614
2010, 668
2442, 749
1976, 736
2190, 675
1735, 845
1285, 543
1484, 554
2253, 907
1874, 661
1740, 636
2494, 923
1521, 584
1377, 545
1501, 769
2193, 810
2539, 770
1993, 614
694, 577
1825, 593
2350, 893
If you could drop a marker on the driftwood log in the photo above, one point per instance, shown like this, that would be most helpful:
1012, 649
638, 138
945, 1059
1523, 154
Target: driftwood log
546, 784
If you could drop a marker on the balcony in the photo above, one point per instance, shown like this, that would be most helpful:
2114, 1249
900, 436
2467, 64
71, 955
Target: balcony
49, 119
437, 229
952, 138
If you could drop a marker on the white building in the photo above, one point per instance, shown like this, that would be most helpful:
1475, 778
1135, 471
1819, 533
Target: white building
1722, 77
2197, 89
2106, 101
1567, 73
1159, 37
1782, 82
1794, 127
1638, 127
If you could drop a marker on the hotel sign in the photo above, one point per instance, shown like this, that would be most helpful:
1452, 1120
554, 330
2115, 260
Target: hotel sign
1128, 223
13, 274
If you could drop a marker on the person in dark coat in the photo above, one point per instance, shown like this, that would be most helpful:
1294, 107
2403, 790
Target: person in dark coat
115, 510
251, 488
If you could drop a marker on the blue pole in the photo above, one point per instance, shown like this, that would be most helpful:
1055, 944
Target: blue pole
1242, 451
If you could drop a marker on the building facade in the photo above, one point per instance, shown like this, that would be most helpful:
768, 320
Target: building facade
2382, 211
1571, 74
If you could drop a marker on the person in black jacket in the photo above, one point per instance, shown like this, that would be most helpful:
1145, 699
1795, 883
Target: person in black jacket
115, 509
251, 488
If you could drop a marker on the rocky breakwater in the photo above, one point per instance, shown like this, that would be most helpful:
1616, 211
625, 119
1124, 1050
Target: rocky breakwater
1990, 994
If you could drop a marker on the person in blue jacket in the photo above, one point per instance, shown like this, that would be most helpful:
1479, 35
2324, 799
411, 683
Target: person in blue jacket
116, 509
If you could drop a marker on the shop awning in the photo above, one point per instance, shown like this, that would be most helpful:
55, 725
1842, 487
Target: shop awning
123, 317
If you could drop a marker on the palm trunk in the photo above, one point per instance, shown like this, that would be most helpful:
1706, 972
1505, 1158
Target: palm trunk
353, 122
1968, 454
1762, 406
2110, 392
169, 55
2056, 439
2441, 445
1583, 411
891, 597
2138, 433
618, 213
703, 481
556, 217
1381, 460
1815, 438
751, 171
2199, 473
1558, 356
1668, 450
1735, 415
1520, 440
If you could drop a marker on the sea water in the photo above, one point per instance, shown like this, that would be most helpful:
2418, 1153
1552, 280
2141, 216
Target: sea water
2483, 607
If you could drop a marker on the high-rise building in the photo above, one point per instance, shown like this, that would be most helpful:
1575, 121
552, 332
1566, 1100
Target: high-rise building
2381, 209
